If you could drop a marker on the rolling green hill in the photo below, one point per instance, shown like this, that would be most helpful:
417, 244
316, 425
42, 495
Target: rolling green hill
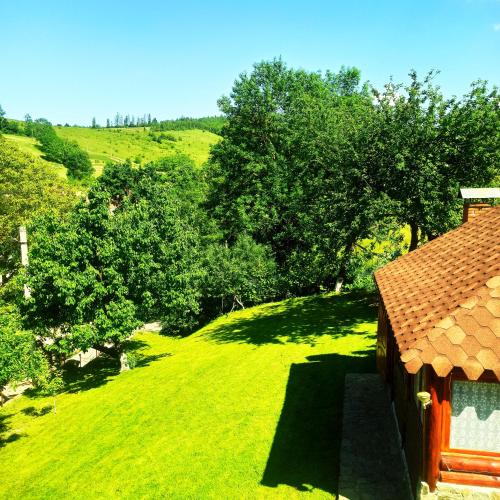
29, 145
136, 144
250, 406
119, 144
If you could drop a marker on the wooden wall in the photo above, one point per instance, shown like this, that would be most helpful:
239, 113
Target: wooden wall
403, 389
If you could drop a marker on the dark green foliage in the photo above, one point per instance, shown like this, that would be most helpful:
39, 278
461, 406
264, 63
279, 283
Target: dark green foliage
139, 248
78, 298
311, 164
285, 171
213, 124
129, 253
157, 234
28, 126
159, 138
11, 127
55, 149
8, 126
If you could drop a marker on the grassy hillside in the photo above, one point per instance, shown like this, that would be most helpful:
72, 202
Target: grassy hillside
248, 407
119, 144
29, 145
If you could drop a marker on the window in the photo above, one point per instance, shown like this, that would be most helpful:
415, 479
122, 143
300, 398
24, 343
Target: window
475, 416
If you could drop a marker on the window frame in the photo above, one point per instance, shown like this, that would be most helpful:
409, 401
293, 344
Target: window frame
446, 420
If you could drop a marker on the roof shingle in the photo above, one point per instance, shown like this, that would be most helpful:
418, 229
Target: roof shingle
443, 299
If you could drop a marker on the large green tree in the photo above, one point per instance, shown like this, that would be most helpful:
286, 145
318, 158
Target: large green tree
427, 147
27, 189
68, 153
237, 275
127, 254
312, 164
291, 169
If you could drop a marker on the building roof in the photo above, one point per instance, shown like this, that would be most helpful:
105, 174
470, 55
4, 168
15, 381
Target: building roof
443, 300
479, 193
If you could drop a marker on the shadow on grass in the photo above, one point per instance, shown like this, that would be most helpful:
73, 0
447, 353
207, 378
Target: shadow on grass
151, 358
97, 372
31, 411
102, 369
94, 374
305, 453
300, 320
5, 437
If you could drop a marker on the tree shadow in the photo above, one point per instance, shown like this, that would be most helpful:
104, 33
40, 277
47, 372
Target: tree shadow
305, 452
31, 411
99, 371
146, 360
139, 349
299, 320
94, 374
6, 438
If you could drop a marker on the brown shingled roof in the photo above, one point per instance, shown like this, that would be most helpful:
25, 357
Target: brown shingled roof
443, 300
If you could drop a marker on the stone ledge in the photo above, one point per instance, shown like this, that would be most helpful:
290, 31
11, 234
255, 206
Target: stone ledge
449, 491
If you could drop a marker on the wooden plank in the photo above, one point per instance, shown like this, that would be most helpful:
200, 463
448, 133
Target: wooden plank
455, 462
470, 479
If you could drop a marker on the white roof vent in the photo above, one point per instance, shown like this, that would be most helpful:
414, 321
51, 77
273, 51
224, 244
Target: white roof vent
479, 193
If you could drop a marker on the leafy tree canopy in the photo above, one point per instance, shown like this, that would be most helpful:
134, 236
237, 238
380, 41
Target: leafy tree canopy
310, 164
26, 189
127, 254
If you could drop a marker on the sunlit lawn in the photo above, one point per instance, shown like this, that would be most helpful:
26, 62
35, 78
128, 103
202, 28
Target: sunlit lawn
248, 407
120, 144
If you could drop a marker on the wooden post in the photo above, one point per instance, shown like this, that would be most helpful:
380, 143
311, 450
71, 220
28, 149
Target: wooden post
23, 239
434, 430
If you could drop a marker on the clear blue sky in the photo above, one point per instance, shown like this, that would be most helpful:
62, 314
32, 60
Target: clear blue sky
68, 61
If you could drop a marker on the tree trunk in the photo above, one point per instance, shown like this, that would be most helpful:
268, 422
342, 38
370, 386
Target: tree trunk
414, 236
431, 236
236, 298
115, 352
124, 366
339, 281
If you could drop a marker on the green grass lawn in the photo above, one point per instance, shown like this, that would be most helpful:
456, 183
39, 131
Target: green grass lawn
250, 406
120, 144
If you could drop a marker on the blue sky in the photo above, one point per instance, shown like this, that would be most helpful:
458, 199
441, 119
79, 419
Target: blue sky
69, 61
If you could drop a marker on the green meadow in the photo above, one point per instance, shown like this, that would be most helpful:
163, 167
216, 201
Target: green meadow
121, 144
250, 406
135, 144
